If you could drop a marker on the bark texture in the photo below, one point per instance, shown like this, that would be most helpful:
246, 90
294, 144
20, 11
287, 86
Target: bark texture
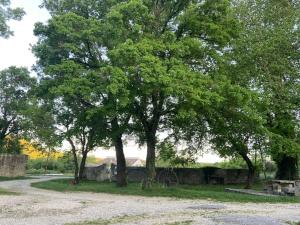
121, 162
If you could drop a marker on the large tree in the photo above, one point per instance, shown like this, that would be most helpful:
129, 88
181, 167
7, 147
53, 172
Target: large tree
6, 14
267, 60
168, 52
72, 52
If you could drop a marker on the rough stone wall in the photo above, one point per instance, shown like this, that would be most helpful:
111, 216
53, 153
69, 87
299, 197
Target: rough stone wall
194, 176
13, 165
99, 173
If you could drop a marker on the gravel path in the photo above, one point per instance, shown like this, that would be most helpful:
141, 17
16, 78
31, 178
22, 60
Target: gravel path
42, 207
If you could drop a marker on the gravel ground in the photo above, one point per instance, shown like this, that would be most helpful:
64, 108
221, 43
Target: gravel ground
42, 207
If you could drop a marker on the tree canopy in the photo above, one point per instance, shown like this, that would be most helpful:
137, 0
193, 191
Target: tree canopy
6, 14
219, 72
15, 86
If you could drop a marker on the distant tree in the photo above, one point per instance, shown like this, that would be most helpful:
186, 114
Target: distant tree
6, 14
170, 156
15, 84
42, 130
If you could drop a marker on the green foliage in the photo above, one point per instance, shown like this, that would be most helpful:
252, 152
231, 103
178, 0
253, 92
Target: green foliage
214, 192
15, 85
224, 72
63, 164
6, 14
169, 156
267, 61
271, 40
236, 163
10, 145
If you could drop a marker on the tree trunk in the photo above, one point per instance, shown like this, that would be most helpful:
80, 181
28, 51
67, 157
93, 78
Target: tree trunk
251, 171
75, 160
76, 178
263, 161
150, 161
82, 164
287, 168
47, 162
121, 162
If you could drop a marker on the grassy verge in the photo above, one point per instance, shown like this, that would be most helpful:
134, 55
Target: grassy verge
6, 192
211, 192
125, 219
114, 220
14, 178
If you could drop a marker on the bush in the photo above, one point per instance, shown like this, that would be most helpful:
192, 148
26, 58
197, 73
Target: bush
61, 165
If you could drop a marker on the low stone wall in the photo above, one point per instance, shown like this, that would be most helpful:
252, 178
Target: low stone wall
12, 165
99, 173
194, 176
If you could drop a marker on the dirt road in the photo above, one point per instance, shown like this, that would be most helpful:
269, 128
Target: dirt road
41, 207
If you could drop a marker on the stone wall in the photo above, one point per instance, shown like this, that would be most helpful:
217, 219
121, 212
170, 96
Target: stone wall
99, 173
12, 165
194, 176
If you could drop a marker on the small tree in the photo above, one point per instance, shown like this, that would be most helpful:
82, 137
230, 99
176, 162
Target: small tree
42, 129
76, 64
15, 84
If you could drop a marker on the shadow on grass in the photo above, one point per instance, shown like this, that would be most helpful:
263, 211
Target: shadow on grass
208, 192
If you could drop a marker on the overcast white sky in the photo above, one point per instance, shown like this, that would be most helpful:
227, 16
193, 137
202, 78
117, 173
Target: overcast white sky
17, 51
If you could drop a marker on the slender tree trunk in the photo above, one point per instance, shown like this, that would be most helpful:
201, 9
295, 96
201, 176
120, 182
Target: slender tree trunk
251, 171
47, 162
150, 161
287, 168
76, 178
121, 162
263, 163
82, 164
75, 160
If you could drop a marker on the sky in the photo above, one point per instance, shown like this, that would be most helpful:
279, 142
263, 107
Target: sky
16, 51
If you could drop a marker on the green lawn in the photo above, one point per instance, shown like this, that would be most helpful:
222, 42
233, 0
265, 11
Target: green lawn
13, 178
6, 192
211, 192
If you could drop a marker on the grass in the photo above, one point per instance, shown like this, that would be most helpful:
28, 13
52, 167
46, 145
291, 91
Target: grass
210, 192
127, 219
114, 220
14, 178
186, 222
6, 192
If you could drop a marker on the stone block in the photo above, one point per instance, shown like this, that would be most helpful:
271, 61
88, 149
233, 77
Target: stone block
13, 165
